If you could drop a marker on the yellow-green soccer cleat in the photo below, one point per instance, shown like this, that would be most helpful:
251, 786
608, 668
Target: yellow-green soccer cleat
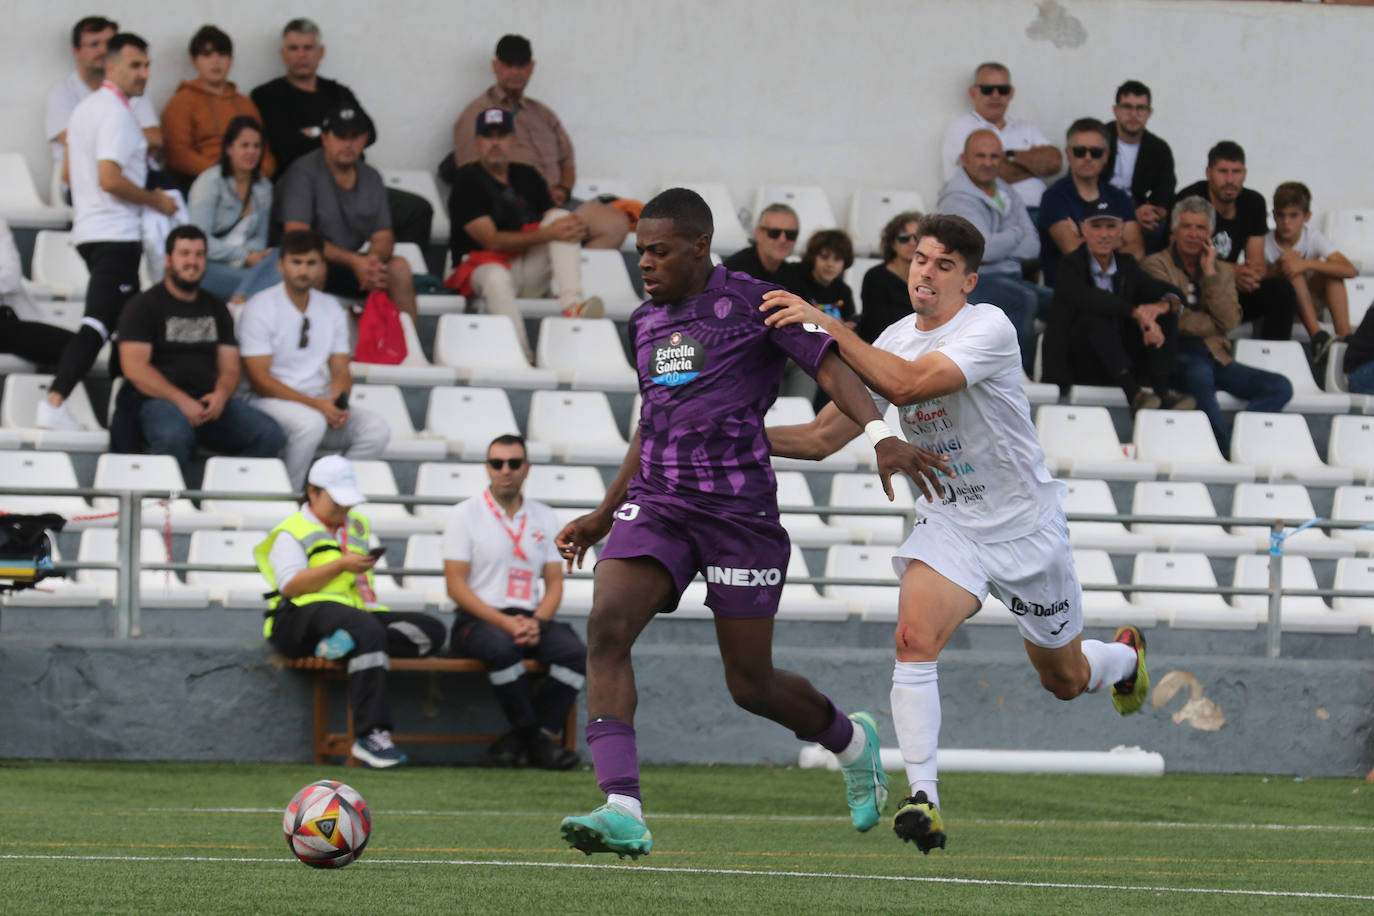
1128, 694
918, 821
864, 779
609, 828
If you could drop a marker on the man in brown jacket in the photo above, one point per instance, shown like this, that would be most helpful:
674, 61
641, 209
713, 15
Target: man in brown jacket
1203, 364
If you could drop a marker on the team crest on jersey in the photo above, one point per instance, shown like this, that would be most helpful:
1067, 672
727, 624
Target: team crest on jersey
723, 307
678, 359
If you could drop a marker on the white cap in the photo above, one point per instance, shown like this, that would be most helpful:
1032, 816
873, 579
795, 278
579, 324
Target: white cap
335, 474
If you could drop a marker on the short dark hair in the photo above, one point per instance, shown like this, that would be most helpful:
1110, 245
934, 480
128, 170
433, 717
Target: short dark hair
835, 241
1133, 87
188, 231
887, 242
957, 234
1229, 150
91, 24
300, 241
231, 133
1088, 125
210, 39
122, 40
509, 439
690, 215
1293, 194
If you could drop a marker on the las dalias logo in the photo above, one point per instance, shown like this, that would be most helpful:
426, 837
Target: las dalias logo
677, 360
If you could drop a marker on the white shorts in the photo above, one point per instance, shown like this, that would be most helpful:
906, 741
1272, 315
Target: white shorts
1031, 575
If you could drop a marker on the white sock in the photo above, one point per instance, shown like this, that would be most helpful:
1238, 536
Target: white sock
629, 803
857, 742
916, 716
1108, 662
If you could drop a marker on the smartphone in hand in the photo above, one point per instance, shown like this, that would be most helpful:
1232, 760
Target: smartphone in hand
377, 553
341, 401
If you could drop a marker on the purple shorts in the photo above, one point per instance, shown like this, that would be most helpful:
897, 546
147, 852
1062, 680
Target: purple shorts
744, 558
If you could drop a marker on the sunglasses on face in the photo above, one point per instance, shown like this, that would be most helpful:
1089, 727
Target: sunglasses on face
778, 233
998, 88
497, 464
1097, 152
904, 237
305, 332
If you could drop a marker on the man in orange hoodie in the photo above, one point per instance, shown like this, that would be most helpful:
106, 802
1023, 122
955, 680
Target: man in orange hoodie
197, 114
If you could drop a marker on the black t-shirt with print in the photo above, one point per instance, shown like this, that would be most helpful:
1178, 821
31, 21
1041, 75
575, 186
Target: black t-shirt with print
186, 336
525, 199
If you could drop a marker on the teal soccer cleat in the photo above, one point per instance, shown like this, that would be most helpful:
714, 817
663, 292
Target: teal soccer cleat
864, 779
609, 828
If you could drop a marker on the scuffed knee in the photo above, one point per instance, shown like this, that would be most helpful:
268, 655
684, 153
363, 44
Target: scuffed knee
912, 644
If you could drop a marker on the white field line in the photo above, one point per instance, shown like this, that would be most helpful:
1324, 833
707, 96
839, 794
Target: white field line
732, 872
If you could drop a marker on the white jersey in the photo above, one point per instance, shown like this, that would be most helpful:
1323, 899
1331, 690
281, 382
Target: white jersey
1001, 489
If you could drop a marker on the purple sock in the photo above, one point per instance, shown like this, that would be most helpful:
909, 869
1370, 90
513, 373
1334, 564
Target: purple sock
836, 736
614, 756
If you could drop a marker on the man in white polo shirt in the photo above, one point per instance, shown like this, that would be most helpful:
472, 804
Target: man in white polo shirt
294, 341
108, 157
497, 545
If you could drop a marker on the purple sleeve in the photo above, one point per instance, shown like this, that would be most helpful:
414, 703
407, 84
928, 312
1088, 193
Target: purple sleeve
805, 343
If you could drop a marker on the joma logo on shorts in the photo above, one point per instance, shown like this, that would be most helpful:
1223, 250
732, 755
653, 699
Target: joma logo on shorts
1022, 608
753, 578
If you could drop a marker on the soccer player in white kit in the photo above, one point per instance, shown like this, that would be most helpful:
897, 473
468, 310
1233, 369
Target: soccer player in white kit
954, 370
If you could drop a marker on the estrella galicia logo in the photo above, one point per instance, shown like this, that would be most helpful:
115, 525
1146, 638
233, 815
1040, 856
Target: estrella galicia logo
677, 360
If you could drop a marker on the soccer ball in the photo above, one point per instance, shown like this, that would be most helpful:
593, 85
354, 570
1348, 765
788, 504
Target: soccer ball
327, 824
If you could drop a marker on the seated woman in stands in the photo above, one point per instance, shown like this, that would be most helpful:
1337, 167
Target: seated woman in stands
232, 203
884, 295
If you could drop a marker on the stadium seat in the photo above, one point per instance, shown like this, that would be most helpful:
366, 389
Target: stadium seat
44, 471
564, 483
1359, 291
1183, 447
156, 588
589, 188
1082, 442
1094, 497
1039, 392
791, 410
1096, 396
604, 275
1351, 446
418, 181
1106, 608
484, 351
426, 551
1297, 613
20, 205
57, 266
405, 444
869, 211
1186, 610
394, 595
248, 475
810, 201
1335, 380
1352, 233
57, 592
1354, 504
225, 548
469, 418
578, 587
61, 313
19, 405
876, 602
866, 490
586, 353
854, 277
728, 236
150, 472
387, 519
454, 482
1188, 499
1354, 574
1289, 359
412, 255
804, 528
577, 426
1280, 447
1291, 502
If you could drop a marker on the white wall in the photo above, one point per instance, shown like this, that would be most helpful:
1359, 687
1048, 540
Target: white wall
743, 91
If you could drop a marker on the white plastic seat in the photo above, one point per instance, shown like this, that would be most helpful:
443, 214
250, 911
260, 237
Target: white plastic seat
1094, 497
604, 275
56, 591
869, 211
1096, 396
19, 407
418, 181
854, 277
405, 444
1356, 574
589, 188
393, 594
484, 351
387, 519
1038, 393
562, 482
156, 588
1287, 358
1297, 613
804, 528
1289, 501
876, 602
1189, 499
61, 313
412, 255
577, 426
866, 490
810, 201
1280, 447
1359, 291
1082, 442
469, 418
20, 205
43, 471
1354, 504
57, 265
1186, 609
1106, 608
578, 587
150, 472
1352, 232
1335, 379
225, 548
586, 353
454, 482
1183, 447
728, 235
1351, 446
792, 410
426, 551
248, 475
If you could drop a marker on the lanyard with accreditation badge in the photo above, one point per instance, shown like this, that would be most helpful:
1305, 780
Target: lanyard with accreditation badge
519, 582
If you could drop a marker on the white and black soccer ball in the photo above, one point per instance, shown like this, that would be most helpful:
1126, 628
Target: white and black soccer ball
327, 824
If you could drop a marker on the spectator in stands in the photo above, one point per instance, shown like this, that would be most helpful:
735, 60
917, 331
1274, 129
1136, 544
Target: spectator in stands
497, 546
294, 107
334, 192
509, 239
829, 253
1359, 357
1141, 164
194, 120
23, 333
1240, 229
1029, 158
1112, 323
323, 603
1305, 258
989, 203
1204, 364
181, 366
1063, 204
884, 295
775, 238
90, 37
539, 141
108, 158
232, 203
294, 341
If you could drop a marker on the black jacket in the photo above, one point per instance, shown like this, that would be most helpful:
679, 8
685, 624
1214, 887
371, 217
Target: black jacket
1154, 180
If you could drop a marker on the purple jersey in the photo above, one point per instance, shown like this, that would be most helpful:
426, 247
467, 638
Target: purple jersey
709, 368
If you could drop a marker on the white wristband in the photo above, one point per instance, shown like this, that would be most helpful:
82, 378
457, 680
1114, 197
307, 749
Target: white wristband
877, 431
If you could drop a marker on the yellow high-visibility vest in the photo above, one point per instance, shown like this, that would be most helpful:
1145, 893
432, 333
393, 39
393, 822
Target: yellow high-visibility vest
320, 548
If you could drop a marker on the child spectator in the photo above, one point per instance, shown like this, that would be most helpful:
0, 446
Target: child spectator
828, 255
1310, 262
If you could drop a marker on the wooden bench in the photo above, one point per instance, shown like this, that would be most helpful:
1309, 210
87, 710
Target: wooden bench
339, 744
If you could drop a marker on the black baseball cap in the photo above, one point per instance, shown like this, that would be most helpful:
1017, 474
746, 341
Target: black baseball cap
514, 50
492, 119
346, 121
1105, 208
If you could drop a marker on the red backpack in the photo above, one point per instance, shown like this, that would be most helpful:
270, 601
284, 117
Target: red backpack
380, 336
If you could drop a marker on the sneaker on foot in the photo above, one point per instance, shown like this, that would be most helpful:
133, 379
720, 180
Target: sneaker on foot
547, 754
609, 828
50, 417
864, 779
1321, 345
1128, 694
376, 750
505, 751
587, 308
918, 821
335, 645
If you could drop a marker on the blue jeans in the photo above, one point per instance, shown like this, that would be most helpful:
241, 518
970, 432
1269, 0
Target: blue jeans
1361, 381
1023, 302
1197, 372
229, 282
241, 430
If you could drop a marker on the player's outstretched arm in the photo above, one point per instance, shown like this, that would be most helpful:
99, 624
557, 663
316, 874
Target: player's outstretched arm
822, 437
587, 530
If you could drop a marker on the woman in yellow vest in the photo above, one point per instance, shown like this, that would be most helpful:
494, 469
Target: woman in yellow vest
319, 564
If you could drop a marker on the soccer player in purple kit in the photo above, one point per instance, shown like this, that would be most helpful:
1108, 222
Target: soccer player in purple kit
696, 493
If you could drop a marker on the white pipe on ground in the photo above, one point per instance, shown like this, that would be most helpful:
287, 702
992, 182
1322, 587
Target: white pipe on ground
1119, 761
